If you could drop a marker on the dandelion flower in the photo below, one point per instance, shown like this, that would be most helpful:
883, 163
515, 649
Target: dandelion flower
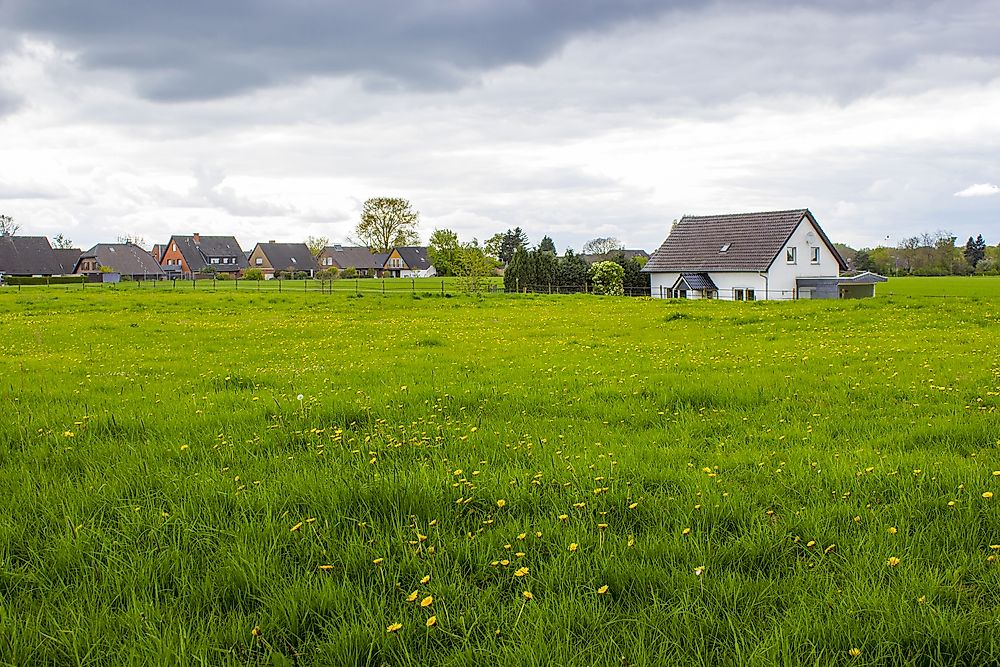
988, 495
686, 532
810, 544
602, 590
922, 599
521, 572
256, 631
378, 561
296, 527
501, 503
394, 628
893, 561
698, 571
300, 397
412, 597
325, 567
427, 601
423, 580
432, 621
892, 530
830, 549
563, 517
573, 547
527, 595
854, 652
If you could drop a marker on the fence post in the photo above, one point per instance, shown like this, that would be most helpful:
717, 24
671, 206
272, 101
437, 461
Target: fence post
383, 287
194, 282
213, 283
442, 287
237, 285
413, 285
279, 285
305, 285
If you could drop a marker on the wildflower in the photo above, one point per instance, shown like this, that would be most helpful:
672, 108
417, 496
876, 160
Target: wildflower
538, 534
427, 601
521, 572
810, 544
830, 549
602, 590
922, 599
296, 527
326, 567
686, 532
988, 495
527, 595
602, 526
573, 547
184, 447
378, 561
412, 597
501, 503
892, 530
854, 652
698, 571
893, 561
632, 506
394, 628
432, 621
423, 580
522, 536
256, 631
563, 517
300, 397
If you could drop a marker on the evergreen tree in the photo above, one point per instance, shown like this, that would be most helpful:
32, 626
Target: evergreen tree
863, 261
975, 250
572, 270
547, 245
516, 272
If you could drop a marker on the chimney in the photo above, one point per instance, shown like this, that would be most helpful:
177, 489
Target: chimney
197, 238
272, 241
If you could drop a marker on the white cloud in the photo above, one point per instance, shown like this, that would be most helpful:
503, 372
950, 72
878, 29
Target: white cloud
979, 190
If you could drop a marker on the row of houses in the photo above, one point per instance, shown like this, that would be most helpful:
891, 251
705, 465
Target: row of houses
185, 257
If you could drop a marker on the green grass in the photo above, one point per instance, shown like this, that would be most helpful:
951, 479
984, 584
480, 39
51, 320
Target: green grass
942, 286
155, 461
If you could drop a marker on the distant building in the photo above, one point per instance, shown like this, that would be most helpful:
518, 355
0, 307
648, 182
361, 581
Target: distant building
273, 258
35, 256
409, 262
361, 259
187, 256
746, 257
125, 259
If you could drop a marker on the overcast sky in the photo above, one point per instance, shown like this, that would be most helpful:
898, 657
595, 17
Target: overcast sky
572, 118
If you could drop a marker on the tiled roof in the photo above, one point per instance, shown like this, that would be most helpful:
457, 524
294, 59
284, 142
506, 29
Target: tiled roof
348, 256
733, 242
198, 253
696, 281
415, 258
289, 256
124, 258
32, 255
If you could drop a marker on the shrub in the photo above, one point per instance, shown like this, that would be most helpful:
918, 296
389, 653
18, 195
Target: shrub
300, 275
349, 272
224, 276
253, 274
328, 274
608, 277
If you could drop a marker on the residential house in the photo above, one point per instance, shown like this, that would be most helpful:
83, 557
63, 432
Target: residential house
125, 259
747, 256
409, 262
35, 256
273, 258
343, 257
189, 256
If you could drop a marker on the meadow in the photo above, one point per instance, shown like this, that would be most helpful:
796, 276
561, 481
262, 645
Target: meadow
196, 477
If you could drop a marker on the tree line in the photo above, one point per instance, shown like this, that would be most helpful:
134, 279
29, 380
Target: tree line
928, 254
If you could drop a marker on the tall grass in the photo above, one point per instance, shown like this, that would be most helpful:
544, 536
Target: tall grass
736, 475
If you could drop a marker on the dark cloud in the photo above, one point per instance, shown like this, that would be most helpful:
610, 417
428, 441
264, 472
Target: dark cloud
199, 50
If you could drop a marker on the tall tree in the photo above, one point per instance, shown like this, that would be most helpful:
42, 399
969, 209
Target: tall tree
975, 250
493, 245
512, 240
602, 245
547, 245
7, 226
863, 261
60, 241
444, 250
317, 244
387, 222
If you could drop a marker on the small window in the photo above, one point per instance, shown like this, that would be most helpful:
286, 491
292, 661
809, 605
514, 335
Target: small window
790, 255
815, 255
259, 261
743, 294
174, 247
725, 247
294, 261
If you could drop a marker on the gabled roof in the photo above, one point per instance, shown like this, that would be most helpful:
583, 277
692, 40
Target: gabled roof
415, 258
33, 256
695, 281
125, 258
863, 278
288, 256
732, 242
348, 256
198, 251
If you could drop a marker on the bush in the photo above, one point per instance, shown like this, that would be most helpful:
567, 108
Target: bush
349, 272
253, 274
608, 277
43, 280
301, 275
328, 274
224, 276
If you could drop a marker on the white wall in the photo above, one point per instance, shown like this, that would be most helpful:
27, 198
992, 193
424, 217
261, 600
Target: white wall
782, 275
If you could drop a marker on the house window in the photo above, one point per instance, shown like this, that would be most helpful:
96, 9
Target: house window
174, 247
725, 247
294, 261
790, 255
743, 294
815, 255
259, 261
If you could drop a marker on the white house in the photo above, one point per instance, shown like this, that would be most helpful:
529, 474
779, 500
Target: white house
745, 257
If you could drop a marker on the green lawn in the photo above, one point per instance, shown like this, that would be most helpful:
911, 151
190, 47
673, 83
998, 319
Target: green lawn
942, 286
673, 482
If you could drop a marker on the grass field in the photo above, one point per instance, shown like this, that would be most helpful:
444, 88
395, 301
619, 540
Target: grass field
942, 286
257, 478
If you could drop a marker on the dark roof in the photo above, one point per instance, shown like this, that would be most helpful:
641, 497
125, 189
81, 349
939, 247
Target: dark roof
415, 258
613, 255
67, 258
380, 259
348, 256
863, 278
695, 281
288, 256
124, 258
751, 240
198, 253
33, 256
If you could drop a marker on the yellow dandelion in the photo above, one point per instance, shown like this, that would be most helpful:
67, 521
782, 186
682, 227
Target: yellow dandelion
501, 503
296, 527
255, 631
854, 652
184, 447
602, 590
830, 549
412, 597
427, 601
432, 621
892, 530
922, 599
522, 536
893, 561
395, 627
573, 547
378, 561
521, 572
538, 534
602, 526
632, 506
988, 495
563, 517
326, 567
810, 544
527, 595
425, 579
686, 532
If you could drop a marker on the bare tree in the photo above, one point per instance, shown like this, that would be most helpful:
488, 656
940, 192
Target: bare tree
387, 222
7, 226
317, 244
60, 241
602, 246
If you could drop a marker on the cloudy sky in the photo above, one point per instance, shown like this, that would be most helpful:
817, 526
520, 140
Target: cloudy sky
573, 118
